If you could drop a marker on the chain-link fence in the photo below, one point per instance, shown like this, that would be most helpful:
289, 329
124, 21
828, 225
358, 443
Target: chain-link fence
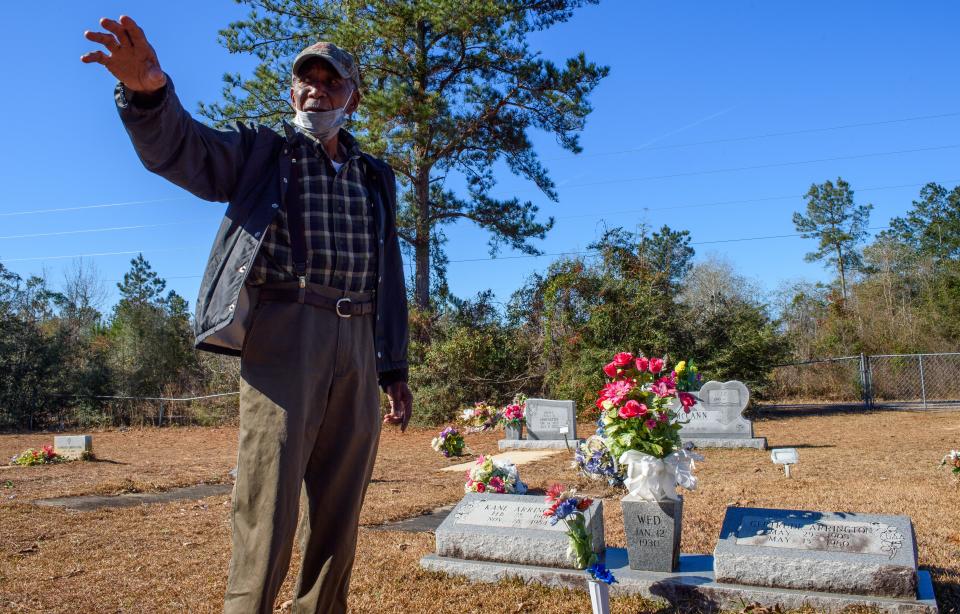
922, 381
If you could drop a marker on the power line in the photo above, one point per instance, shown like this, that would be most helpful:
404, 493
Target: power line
768, 135
100, 206
745, 201
762, 166
89, 230
99, 254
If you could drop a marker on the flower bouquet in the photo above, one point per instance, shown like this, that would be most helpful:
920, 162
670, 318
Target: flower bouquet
512, 417
600, 580
488, 475
44, 456
565, 505
953, 460
481, 417
449, 442
594, 460
639, 424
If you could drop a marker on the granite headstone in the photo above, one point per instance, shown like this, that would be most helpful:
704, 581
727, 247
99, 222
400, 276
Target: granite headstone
863, 554
512, 529
716, 420
73, 446
549, 419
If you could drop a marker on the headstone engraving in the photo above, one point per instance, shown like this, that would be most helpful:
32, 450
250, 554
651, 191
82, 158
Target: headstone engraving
549, 419
833, 552
512, 529
716, 420
73, 446
653, 533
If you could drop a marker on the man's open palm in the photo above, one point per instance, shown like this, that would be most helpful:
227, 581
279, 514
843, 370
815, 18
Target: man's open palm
131, 59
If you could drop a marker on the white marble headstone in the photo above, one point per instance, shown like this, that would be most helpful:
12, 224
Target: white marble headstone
718, 412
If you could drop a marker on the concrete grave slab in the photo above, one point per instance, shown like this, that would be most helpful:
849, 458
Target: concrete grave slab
511, 529
865, 554
692, 583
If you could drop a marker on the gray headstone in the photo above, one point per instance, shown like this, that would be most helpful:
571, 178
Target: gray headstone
863, 554
653, 533
549, 419
73, 446
716, 420
512, 529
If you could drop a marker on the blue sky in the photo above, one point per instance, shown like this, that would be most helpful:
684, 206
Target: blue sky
670, 140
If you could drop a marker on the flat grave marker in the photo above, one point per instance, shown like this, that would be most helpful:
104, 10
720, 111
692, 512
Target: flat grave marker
511, 529
864, 554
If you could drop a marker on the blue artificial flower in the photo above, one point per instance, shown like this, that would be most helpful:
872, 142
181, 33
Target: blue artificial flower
601, 574
566, 507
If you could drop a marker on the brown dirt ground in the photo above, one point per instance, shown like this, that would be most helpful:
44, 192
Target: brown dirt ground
173, 557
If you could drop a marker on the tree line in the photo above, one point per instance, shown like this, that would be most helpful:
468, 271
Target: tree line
63, 358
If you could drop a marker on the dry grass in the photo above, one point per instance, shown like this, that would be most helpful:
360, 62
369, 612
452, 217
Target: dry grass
173, 557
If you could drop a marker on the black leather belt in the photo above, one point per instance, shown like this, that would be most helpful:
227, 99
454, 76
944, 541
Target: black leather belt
343, 307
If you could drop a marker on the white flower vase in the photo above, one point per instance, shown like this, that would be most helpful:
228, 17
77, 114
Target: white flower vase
599, 597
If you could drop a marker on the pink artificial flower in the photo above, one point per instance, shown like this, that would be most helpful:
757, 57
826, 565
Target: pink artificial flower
651, 424
496, 483
664, 387
642, 364
632, 409
687, 400
610, 369
623, 359
615, 392
656, 365
513, 412
662, 417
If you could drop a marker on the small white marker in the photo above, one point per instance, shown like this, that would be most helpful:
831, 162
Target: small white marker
785, 457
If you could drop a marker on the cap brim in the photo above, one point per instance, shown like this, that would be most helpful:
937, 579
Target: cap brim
298, 63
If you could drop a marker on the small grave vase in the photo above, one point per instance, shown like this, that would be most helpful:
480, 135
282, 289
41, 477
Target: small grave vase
513, 431
653, 531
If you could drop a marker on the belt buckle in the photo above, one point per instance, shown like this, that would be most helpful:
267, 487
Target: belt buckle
337, 309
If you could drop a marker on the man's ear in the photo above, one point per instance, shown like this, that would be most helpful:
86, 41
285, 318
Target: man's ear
354, 102
293, 101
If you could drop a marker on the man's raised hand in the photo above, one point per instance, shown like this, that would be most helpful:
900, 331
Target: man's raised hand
131, 59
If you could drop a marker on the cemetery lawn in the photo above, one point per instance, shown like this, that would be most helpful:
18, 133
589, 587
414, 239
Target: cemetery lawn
172, 557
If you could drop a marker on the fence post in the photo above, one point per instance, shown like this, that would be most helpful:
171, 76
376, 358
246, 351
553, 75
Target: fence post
864, 381
923, 385
160, 414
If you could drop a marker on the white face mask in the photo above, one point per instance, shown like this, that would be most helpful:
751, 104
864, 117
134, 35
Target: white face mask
323, 124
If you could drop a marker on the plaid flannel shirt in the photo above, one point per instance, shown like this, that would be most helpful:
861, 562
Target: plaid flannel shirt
337, 219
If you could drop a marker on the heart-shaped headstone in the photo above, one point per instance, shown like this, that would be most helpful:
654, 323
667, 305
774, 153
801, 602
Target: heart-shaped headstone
727, 398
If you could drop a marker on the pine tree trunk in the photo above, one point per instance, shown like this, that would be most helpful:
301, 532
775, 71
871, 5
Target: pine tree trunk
843, 277
422, 242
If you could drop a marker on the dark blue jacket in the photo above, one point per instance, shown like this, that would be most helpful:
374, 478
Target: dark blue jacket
246, 167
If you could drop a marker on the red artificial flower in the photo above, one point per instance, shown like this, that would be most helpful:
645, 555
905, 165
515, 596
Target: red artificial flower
632, 409
651, 424
610, 369
687, 400
554, 492
481, 487
623, 359
642, 364
656, 365
584, 504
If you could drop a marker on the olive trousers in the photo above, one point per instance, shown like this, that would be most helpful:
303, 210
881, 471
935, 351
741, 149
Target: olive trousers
309, 428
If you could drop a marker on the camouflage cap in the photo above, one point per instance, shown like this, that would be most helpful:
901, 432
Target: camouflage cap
341, 61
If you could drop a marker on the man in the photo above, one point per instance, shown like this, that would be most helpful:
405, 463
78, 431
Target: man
305, 284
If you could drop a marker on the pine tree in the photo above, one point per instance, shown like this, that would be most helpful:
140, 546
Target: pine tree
452, 87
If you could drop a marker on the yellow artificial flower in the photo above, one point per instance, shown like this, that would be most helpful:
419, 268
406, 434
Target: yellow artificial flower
680, 367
